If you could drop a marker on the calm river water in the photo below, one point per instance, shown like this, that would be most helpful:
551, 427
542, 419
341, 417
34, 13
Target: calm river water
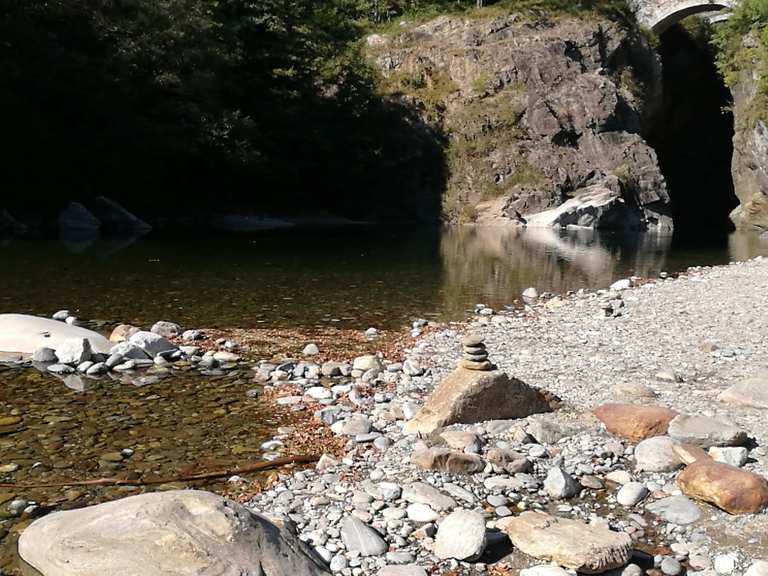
357, 278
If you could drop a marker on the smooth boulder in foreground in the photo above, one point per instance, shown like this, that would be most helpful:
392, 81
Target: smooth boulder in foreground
25, 334
175, 533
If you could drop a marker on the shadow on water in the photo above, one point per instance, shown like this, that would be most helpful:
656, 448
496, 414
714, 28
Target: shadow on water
351, 278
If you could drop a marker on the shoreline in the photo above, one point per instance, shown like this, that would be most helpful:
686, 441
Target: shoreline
660, 341
514, 341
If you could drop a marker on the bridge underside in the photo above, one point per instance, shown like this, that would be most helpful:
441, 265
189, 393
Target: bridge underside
660, 15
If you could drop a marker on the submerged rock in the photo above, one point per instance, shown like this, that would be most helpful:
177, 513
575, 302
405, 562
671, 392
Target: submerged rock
177, 532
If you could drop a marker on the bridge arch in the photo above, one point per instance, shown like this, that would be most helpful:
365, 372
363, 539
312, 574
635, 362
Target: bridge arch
659, 15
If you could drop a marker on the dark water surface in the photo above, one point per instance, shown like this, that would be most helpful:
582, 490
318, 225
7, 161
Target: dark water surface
381, 277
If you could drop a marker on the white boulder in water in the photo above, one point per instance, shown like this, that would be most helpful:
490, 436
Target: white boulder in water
180, 532
25, 334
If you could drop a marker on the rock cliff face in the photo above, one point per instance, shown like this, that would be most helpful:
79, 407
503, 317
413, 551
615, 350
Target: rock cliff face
536, 115
750, 154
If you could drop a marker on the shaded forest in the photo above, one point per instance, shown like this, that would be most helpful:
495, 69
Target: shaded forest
194, 105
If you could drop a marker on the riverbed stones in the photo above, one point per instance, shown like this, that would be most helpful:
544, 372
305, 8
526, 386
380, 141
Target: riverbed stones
360, 538
125, 350
751, 392
160, 533
729, 488
589, 549
469, 396
705, 432
634, 422
675, 509
657, 455
461, 535
688, 453
25, 334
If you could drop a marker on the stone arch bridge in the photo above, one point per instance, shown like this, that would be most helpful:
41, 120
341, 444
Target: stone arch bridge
658, 15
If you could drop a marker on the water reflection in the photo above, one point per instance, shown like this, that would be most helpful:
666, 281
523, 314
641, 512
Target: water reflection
496, 264
357, 278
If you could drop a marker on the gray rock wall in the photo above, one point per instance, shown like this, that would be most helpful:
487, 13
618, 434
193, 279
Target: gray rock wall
535, 113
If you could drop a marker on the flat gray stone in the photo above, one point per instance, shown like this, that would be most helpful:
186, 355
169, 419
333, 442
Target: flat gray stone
705, 432
361, 538
752, 392
153, 344
675, 509
421, 493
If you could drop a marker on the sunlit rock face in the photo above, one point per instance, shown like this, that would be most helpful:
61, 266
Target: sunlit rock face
535, 115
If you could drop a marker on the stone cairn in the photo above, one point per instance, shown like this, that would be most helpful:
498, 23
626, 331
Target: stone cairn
475, 356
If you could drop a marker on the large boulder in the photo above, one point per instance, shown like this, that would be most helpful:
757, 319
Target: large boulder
633, 422
179, 533
25, 334
470, 396
570, 543
729, 488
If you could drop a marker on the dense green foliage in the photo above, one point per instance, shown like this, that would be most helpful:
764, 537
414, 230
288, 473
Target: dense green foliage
185, 103
742, 44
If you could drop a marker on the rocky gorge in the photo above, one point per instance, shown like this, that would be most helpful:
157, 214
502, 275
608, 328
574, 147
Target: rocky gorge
621, 429
576, 121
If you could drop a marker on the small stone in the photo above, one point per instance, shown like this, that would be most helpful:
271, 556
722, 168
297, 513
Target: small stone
360, 538
559, 484
530, 295
484, 366
631, 493
725, 563
619, 476
675, 509
421, 513
656, 455
311, 350
472, 340
461, 536
670, 566
734, 456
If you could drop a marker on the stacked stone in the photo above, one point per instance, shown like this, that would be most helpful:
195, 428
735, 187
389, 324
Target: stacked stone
475, 356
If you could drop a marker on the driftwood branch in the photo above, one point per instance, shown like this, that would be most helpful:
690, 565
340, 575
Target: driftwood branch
250, 468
